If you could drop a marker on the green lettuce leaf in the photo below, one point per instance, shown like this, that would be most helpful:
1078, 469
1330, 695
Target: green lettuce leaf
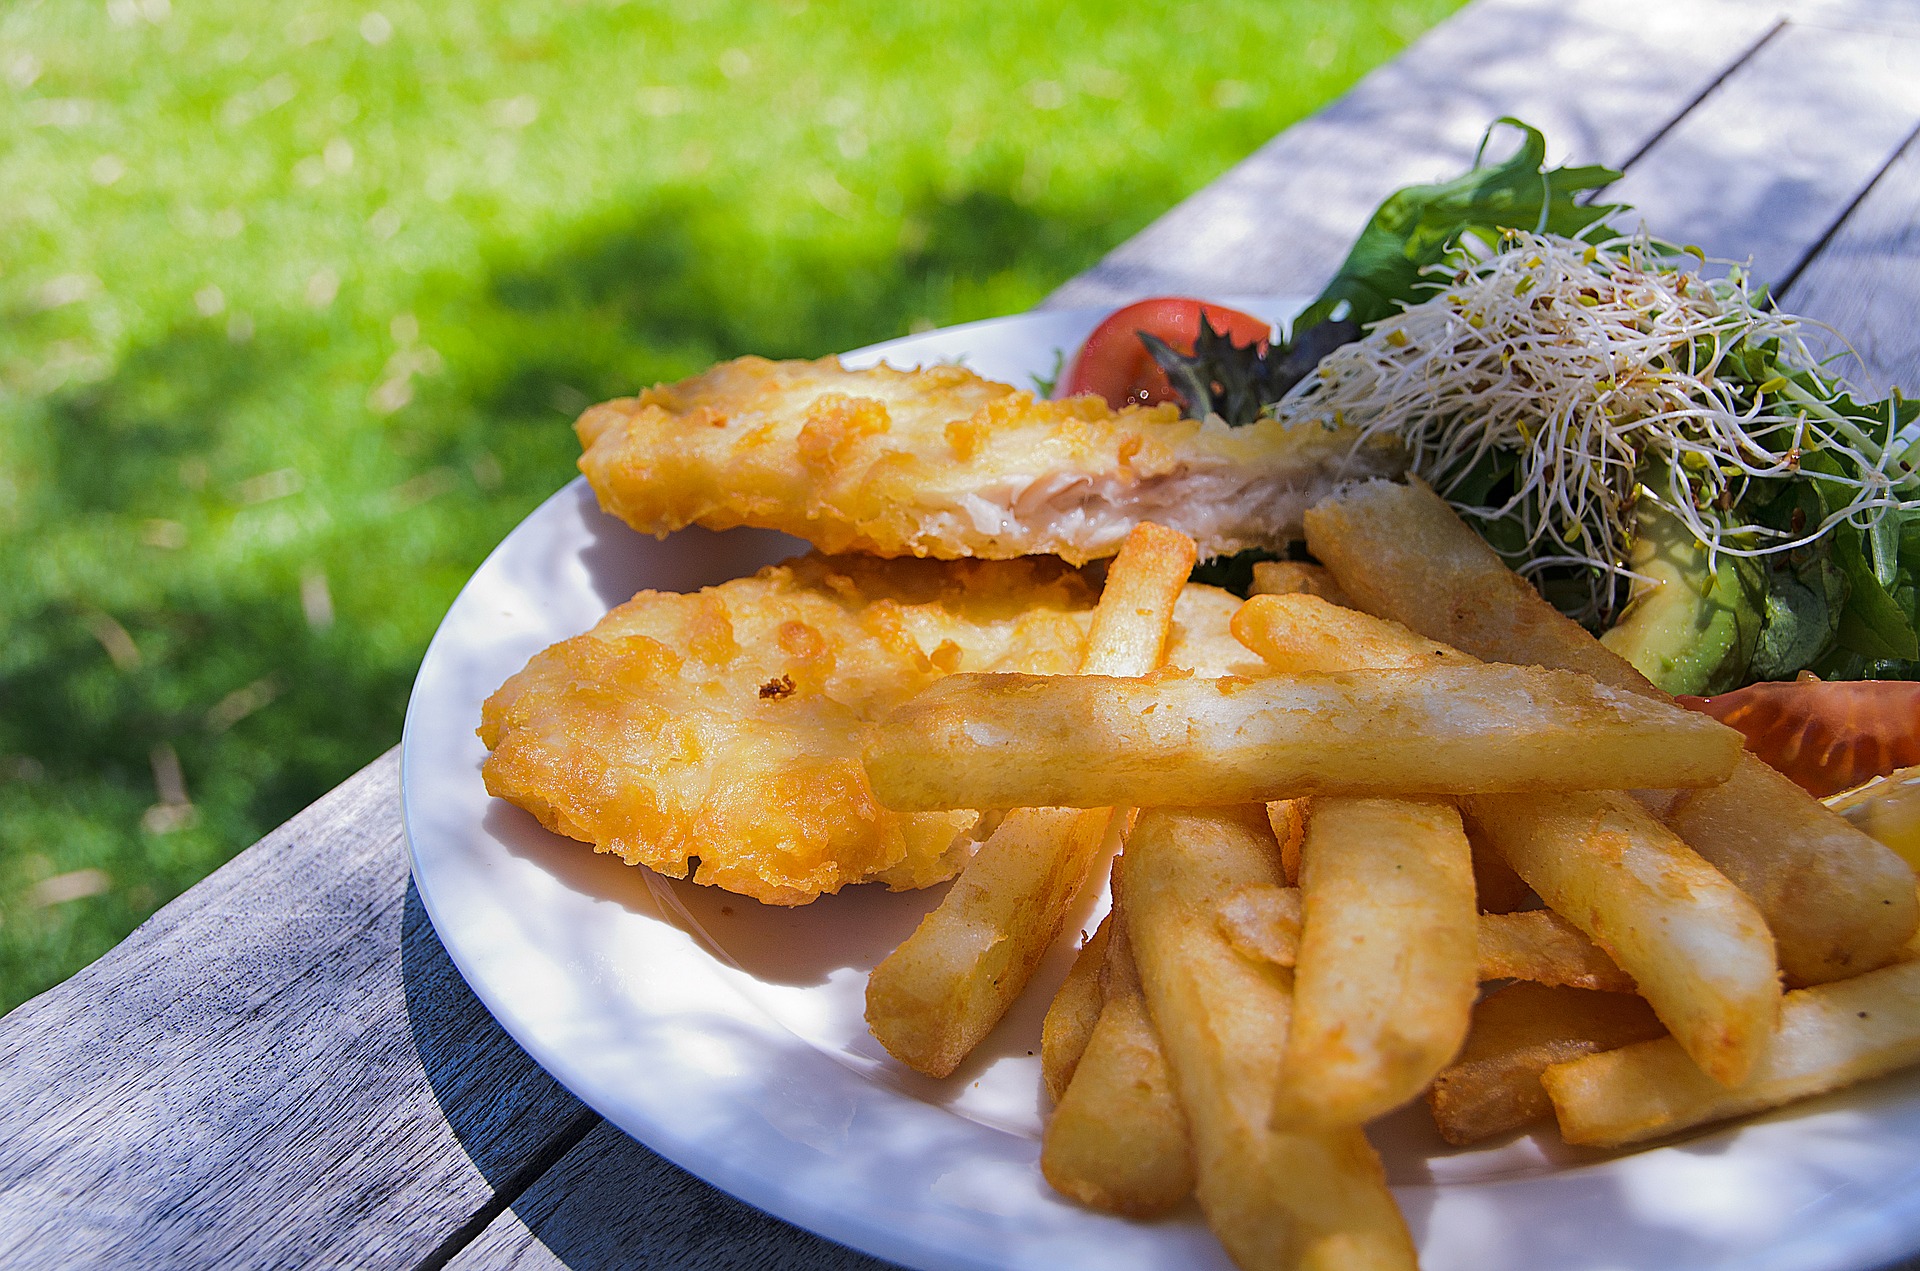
1873, 624
1806, 598
1417, 226
1857, 584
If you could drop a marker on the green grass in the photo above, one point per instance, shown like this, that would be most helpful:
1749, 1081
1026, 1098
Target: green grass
296, 304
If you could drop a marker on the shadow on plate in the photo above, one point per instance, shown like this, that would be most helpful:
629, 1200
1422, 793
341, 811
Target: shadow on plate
560, 1175
798, 946
810, 947
620, 561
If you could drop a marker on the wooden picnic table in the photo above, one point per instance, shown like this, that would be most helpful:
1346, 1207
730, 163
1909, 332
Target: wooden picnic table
283, 1067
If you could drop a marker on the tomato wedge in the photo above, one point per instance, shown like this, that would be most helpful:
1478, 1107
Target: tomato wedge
1116, 365
1828, 735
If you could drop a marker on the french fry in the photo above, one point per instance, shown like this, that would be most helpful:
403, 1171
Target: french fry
933, 998
1838, 902
1264, 923
1385, 979
975, 740
1400, 552
1288, 817
1130, 624
1275, 1198
1910, 951
1118, 1141
1518, 1032
1887, 808
1304, 634
1829, 1036
1284, 577
1074, 1011
1300, 634
1541, 946
1695, 945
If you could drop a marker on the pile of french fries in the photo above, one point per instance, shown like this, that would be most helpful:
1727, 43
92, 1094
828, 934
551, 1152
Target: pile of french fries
1443, 783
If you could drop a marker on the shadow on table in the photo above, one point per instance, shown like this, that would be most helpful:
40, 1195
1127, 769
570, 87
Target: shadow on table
512, 1119
611, 1203
561, 1177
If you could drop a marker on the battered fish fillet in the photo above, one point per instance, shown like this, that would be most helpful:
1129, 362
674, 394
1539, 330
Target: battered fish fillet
724, 725
940, 462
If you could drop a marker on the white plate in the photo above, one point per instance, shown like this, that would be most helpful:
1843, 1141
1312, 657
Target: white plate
728, 1036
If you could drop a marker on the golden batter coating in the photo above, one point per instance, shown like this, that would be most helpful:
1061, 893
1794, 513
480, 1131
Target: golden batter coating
940, 462
725, 725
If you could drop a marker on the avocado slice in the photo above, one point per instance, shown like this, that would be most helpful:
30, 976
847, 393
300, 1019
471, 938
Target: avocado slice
1693, 629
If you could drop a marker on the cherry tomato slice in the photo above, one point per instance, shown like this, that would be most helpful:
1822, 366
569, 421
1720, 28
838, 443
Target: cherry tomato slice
1828, 736
1116, 365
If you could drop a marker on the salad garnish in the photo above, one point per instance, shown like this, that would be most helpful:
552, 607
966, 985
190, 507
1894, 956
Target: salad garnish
1588, 385
1611, 417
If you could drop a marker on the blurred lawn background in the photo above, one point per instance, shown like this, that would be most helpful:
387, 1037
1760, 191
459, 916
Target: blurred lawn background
297, 303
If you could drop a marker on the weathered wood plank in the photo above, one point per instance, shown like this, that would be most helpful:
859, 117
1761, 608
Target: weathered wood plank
280, 1067
1865, 282
1900, 17
1773, 157
612, 1203
1601, 77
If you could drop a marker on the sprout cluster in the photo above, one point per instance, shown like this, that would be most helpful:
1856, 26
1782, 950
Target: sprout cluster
1608, 374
